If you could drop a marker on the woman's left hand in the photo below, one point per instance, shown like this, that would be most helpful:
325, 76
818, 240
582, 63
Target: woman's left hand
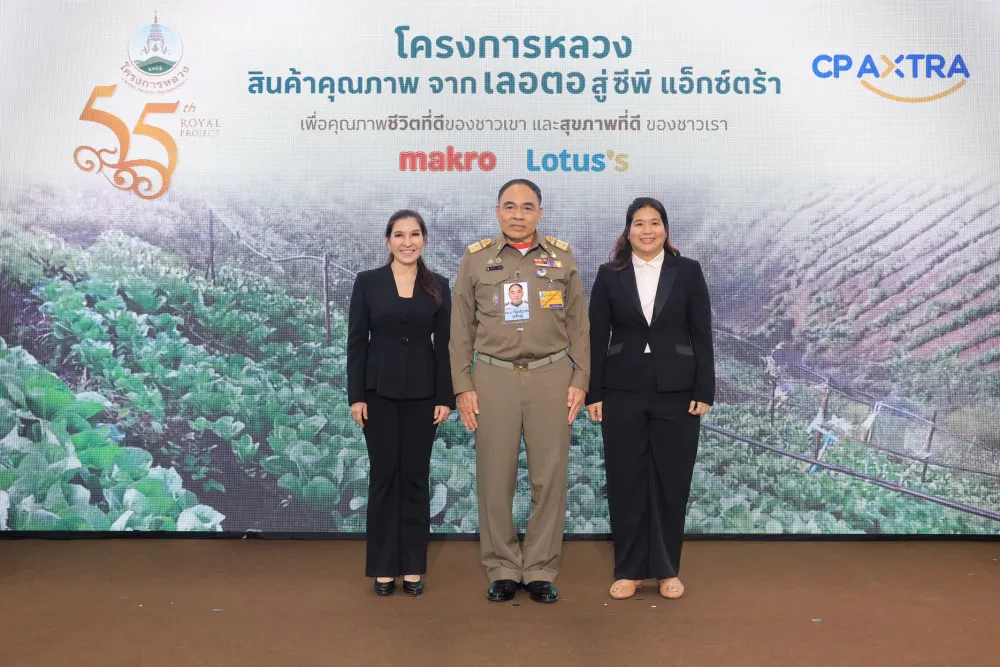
441, 413
698, 408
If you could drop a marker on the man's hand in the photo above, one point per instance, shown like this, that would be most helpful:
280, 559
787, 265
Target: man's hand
574, 401
596, 411
468, 408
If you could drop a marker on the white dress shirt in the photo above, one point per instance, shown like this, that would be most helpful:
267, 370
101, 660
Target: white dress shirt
647, 277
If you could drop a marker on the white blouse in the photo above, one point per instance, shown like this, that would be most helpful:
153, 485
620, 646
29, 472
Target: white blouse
647, 277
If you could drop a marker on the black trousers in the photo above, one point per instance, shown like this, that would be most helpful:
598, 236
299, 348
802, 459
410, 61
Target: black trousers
399, 435
650, 446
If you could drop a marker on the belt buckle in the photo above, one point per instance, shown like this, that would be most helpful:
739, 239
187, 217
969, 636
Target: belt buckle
520, 366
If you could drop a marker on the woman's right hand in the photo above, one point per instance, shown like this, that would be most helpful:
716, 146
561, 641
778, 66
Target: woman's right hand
596, 411
359, 411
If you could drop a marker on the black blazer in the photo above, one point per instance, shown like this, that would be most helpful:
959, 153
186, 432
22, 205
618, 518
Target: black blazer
680, 337
389, 345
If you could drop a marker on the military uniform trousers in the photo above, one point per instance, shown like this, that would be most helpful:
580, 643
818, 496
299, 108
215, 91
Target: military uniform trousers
400, 436
510, 400
650, 447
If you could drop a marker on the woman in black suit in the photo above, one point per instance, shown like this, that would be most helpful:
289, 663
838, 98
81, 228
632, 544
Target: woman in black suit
652, 378
399, 388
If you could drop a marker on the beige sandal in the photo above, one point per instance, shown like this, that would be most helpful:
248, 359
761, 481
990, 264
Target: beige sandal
623, 589
671, 588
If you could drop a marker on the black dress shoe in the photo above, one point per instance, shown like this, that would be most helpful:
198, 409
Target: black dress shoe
502, 590
413, 588
542, 591
384, 587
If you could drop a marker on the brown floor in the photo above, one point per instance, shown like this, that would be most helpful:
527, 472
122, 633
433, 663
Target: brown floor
214, 603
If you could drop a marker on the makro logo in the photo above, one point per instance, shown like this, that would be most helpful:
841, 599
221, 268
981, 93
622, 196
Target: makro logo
447, 160
577, 162
936, 72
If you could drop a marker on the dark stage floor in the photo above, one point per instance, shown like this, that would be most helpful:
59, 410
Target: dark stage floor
215, 603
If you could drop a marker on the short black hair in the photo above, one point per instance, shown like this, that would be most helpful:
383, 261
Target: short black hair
520, 181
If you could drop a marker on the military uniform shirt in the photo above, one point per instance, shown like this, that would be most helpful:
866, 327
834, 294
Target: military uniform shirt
557, 309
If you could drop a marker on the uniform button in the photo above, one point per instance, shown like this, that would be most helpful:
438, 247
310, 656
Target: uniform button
402, 320
404, 340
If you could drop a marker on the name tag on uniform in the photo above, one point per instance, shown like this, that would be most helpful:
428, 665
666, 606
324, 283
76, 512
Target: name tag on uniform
551, 263
550, 298
493, 268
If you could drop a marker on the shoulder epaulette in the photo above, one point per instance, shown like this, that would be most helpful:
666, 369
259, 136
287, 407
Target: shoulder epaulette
562, 245
479, 245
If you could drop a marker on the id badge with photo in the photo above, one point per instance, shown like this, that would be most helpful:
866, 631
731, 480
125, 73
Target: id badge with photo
515, 302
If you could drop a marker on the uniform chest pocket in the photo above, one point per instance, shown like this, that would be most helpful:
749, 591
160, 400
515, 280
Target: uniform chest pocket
489, 287
552, 276
493, 275
550, 284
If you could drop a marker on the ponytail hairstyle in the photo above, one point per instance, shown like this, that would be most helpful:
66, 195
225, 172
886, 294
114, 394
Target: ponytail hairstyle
425, 279
621, 255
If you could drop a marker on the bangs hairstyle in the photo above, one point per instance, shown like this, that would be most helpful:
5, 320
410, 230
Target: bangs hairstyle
621, 254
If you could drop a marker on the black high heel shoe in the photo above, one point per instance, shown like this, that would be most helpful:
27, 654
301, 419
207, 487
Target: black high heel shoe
413, 588
384, 587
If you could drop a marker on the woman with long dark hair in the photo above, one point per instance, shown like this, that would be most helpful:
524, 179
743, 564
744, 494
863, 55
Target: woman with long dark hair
399, 388
652, 378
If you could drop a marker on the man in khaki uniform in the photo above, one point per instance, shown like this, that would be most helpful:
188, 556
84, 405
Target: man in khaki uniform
518, 303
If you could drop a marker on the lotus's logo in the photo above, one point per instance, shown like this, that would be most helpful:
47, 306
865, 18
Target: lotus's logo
155, 48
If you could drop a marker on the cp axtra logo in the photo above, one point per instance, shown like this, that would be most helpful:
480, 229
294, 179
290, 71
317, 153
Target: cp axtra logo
578, 162
933, 75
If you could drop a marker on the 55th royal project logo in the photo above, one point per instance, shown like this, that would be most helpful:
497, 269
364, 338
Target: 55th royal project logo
153, 67
131, 175
927, 76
